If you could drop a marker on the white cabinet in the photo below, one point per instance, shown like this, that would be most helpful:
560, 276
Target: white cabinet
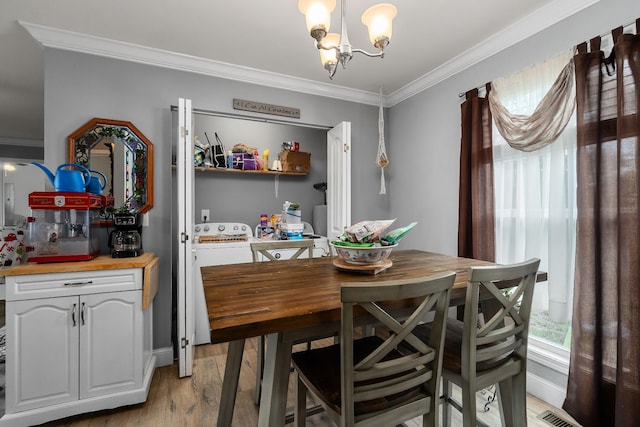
76, 342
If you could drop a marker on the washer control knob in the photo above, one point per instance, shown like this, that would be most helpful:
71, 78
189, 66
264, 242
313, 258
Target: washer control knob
221, 228
206, 228
235, 227
197, 229
244, 228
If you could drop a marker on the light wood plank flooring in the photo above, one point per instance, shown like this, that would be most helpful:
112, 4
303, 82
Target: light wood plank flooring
194, 401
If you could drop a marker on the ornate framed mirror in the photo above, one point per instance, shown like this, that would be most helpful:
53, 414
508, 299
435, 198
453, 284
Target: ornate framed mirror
120, 152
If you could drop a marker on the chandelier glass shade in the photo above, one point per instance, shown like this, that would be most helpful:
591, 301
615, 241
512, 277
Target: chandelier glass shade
335, 47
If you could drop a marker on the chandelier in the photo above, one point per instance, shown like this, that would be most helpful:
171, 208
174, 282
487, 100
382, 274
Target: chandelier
335, 47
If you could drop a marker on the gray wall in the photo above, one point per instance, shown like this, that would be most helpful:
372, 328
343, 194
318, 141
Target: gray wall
424, 130
79, 87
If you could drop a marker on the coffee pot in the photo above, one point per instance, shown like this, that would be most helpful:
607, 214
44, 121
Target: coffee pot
126, 240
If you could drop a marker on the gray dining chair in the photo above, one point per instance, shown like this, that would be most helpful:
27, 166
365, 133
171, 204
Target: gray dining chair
265, 249
367, 381
479, 353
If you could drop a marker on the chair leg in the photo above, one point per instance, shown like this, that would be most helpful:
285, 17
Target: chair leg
259, 368
469, 414
513, 400
432, 418
300, 410
520, 399
446, 408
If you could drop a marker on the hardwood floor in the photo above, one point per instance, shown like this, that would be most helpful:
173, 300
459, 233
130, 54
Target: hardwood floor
194, 401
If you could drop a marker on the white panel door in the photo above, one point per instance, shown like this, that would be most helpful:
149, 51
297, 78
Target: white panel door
338, 179
186, 302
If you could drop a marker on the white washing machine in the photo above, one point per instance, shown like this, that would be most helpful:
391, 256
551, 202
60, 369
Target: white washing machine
320, 244
216, 243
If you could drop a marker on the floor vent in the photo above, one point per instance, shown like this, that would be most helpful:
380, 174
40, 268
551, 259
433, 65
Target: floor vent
555, 420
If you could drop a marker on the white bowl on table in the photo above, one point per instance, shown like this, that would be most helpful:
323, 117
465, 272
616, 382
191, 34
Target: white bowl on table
362, 255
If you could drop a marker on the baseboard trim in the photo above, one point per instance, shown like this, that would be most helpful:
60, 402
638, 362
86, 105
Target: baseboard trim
164, 356
545, 390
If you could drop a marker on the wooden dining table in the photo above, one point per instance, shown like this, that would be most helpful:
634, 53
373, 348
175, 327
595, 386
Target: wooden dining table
291, 301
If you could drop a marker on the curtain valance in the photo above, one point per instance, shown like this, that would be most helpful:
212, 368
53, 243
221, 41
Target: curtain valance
542, 127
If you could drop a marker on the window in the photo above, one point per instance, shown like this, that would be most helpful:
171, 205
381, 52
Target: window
535, 205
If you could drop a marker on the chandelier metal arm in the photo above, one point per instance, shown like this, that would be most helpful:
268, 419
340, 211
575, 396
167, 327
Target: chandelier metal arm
372, 55
380, 54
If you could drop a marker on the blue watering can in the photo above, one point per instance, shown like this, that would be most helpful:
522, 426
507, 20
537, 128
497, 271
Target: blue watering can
95, 186
75, 180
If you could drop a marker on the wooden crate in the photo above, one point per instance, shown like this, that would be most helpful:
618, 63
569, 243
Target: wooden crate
295, 161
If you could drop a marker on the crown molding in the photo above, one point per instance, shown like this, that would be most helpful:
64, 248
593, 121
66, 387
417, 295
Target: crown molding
542, 18
93, 45
533, 23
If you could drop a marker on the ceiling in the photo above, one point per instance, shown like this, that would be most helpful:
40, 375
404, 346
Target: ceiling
263, 41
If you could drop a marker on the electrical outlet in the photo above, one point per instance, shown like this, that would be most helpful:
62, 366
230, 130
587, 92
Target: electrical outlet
204, 215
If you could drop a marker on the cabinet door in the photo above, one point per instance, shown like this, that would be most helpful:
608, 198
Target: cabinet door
42, 352
111, 343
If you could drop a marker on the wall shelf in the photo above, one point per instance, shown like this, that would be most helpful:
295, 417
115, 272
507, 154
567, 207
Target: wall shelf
229, 170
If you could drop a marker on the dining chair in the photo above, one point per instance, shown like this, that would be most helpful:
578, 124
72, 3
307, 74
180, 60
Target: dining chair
264, 249
367, 381
479, 353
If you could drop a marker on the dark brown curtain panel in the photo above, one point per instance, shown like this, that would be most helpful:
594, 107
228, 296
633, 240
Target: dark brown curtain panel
476, 235
604, 374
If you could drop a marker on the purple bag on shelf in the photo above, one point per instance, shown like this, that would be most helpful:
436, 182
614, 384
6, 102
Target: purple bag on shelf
244, 161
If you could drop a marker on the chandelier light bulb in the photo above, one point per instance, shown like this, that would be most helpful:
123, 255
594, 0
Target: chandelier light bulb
378, 19
329, 53
318, 16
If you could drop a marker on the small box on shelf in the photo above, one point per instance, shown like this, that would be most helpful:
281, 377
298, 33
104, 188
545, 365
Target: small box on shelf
295, 161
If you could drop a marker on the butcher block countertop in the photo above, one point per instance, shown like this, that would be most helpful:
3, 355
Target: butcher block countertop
147, 260
101, 262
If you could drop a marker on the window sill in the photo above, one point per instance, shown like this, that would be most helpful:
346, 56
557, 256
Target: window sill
552, 356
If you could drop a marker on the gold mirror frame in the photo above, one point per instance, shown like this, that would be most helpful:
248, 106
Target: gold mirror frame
138, 156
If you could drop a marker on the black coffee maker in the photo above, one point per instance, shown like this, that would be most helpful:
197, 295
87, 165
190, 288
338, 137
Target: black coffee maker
126, 240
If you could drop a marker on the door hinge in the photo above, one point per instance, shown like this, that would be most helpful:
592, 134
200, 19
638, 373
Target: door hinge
184, 131
184, 342
345, 147
184, 237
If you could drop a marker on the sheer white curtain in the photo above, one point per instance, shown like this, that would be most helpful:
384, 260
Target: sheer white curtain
535, 192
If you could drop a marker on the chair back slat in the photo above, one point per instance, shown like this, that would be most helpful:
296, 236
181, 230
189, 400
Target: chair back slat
497, 350
384, 371
499, 334
400, 384
401, 364
264, 248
